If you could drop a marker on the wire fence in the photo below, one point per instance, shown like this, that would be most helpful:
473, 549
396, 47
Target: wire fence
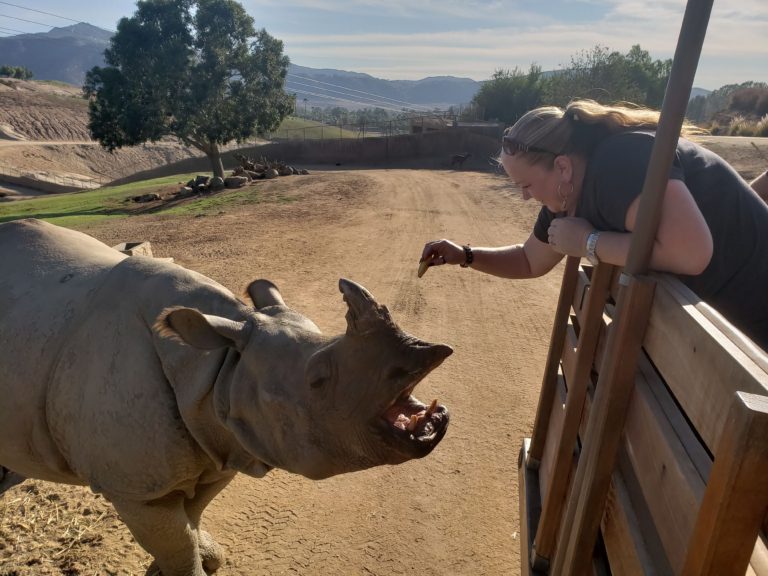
13, 175
369, 129
56, 181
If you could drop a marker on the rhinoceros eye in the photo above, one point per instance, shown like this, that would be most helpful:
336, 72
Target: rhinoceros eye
397, 373
318, 382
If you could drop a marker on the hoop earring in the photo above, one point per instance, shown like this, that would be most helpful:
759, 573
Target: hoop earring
564, 199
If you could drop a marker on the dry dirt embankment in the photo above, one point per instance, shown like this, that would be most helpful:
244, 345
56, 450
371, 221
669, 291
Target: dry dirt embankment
45, 144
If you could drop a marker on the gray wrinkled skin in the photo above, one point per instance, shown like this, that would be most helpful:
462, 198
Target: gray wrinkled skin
154, 385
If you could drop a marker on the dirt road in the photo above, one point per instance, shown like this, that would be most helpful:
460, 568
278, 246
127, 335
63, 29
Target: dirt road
453, 513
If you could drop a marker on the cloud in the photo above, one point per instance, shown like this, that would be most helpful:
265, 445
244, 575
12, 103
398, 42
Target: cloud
735, 40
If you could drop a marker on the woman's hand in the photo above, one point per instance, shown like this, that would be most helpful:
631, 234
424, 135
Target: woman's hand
440, 252
568, 235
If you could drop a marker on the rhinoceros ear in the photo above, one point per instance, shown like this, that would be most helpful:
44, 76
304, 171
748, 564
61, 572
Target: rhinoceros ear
364, 314
201, 330
264, 293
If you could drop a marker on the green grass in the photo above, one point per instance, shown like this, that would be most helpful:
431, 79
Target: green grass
78, 208
295, 128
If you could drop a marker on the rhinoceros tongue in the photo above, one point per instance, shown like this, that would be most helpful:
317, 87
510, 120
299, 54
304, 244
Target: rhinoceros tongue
412, 416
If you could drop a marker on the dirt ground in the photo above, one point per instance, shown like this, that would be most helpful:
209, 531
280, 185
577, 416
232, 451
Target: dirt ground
452, 513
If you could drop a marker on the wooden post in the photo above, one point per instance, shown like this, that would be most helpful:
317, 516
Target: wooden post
577, 382
734, 502
549, 381
614, 389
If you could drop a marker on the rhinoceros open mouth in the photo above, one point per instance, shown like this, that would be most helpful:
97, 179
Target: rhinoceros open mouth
416, 423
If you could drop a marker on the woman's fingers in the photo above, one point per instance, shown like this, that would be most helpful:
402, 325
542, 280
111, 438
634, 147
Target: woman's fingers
434, 254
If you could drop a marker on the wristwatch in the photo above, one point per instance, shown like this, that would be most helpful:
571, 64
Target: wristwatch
591, 246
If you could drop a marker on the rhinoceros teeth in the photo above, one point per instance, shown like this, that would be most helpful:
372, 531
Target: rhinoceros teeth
414, 421
401, 422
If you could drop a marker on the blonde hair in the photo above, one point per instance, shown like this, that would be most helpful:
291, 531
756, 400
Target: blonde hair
549, 131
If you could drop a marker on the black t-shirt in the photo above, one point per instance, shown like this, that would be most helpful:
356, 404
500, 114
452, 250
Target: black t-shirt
736, 280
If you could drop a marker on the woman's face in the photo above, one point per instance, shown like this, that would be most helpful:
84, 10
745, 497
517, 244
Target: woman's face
537, 181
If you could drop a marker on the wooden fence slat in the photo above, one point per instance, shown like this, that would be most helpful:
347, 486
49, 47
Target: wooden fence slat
734, 502
549, 380
686, 348
587, 501
555, 427
624, 544
577, 371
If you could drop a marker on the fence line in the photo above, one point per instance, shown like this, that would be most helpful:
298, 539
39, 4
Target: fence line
40, 179
342, 131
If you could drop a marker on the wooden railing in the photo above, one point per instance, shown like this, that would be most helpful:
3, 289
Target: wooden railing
687, 492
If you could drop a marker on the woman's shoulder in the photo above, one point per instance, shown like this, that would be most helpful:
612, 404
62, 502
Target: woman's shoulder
619, 147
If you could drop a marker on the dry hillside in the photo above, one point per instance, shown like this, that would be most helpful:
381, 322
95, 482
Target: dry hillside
44, 139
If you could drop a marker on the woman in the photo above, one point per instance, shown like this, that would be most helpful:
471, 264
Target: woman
586, 165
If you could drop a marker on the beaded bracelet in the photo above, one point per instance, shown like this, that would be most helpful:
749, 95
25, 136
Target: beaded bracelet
469, 256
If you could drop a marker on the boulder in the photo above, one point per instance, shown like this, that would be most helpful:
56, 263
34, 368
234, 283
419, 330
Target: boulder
235, 181
217, 183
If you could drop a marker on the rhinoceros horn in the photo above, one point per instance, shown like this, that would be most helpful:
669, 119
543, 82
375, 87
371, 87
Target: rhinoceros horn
364, 314
264, 293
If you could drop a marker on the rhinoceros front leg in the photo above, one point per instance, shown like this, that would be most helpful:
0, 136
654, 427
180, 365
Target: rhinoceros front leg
210, 552
163, 529
9, 479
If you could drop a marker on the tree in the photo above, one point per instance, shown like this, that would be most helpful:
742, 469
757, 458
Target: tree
193, 69
509, 94
607, 76
20, 72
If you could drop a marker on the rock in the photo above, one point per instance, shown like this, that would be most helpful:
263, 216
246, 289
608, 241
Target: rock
235, 181
255, 175
146, 197
202, 180
285, 171
271, 173
303, 172
217, 183
185, 192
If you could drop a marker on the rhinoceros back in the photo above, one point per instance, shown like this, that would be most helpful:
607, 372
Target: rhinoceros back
47, 276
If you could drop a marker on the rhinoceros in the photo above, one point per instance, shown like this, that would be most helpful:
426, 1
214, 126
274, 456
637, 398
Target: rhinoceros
154, 385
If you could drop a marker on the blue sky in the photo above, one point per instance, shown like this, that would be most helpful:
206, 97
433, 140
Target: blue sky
413, 39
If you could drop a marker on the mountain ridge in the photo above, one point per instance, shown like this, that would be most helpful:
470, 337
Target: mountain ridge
67, 53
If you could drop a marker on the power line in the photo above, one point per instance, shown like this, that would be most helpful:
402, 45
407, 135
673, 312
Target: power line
359, 98
11, 30
47, 14
393, 100
344, 100
40, 12
30, 21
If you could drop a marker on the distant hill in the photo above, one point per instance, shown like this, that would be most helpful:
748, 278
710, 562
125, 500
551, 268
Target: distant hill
63, 54
699, 92
328, 87
67, 53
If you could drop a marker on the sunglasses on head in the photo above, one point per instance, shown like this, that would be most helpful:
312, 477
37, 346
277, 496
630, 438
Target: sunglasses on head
510, 146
